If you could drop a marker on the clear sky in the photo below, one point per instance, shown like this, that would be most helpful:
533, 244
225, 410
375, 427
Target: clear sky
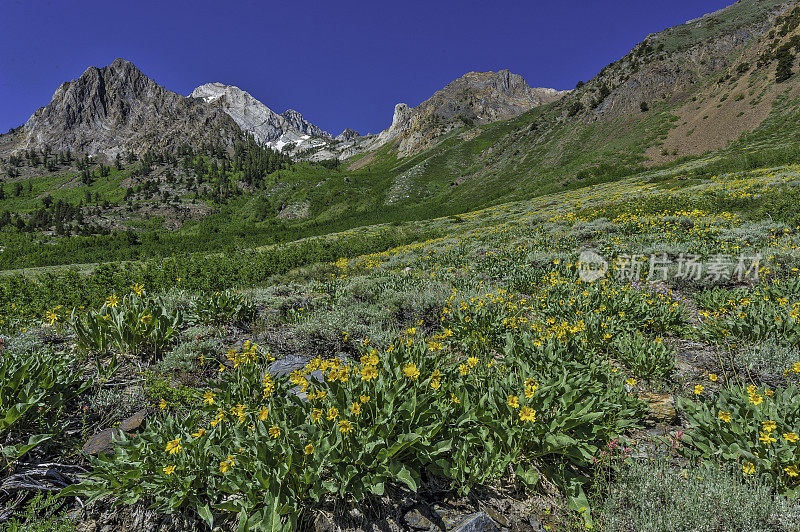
341, 63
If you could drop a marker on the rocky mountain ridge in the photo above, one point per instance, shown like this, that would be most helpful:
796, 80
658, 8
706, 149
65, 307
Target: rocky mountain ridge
476, 98
266, 126
117, 108
671, 65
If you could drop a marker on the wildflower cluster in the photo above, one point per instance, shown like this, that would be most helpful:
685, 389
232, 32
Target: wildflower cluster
349, 427
756, 427
136, 324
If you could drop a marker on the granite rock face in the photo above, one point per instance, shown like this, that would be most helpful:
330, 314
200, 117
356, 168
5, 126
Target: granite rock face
347, 134
117, 108
266, 126
476, 98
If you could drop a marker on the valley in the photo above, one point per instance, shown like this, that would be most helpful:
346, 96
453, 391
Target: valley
513, 309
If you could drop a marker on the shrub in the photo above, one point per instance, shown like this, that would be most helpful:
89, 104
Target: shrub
769, 357
752, 427
655, 495
161, 390
43, 513
223, 307
646, 358
138, 324
409, 410
186, 355
785, 62
575, 108
34, 386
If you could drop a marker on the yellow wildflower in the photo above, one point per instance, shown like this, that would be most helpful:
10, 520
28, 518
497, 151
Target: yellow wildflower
527, 414
371, 359
766, 438
368, 373
513, 401
268, 384
226, 465
410, 371
173, 446
240, 412
208, 397
219, 417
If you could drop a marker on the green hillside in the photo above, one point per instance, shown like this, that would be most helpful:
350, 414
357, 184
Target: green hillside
586, 317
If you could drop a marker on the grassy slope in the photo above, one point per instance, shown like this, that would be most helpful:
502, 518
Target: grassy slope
540, 152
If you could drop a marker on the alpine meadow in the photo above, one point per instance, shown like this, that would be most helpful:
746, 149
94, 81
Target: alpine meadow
514, 309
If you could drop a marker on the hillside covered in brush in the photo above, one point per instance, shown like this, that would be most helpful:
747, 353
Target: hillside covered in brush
176, 179
515, 309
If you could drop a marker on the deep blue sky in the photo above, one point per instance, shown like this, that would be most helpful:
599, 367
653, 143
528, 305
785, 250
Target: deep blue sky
341, 63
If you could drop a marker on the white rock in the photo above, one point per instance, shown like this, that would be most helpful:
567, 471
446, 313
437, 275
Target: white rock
266, 126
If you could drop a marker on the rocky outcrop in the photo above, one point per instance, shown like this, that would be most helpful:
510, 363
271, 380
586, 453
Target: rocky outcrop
673, 65
474, 99
117, 108
266, 126
487, 97
347, 134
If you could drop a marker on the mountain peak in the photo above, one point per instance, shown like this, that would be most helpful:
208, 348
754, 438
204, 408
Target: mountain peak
117, 108
347, 134
474, 98
122, 64
254, 117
